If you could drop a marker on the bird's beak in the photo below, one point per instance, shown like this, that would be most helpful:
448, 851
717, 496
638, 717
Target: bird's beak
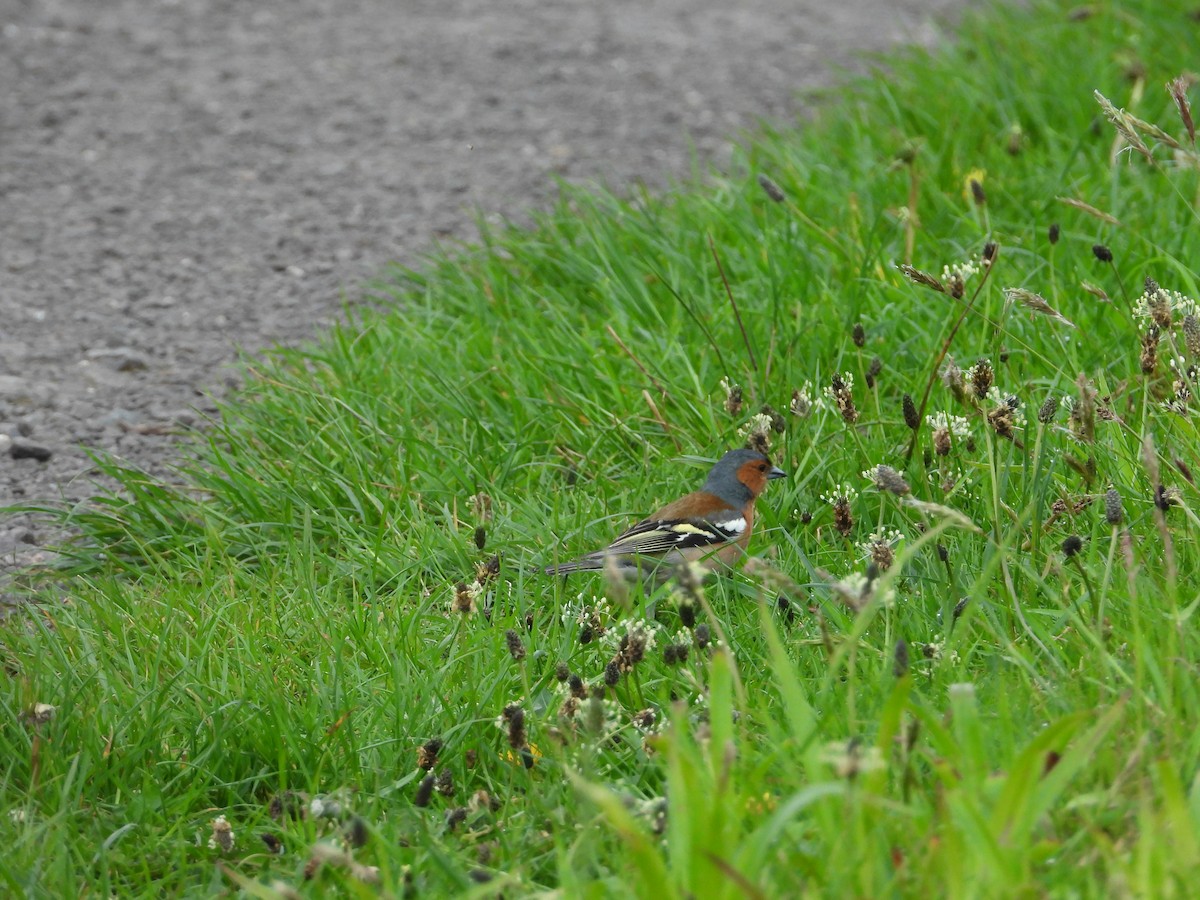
776, 472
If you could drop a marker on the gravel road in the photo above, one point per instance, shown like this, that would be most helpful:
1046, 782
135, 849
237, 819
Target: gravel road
183, 178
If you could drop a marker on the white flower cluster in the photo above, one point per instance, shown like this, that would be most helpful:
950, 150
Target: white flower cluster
840, 492
956, 425
1000, 398
960, 271
643, 629
889, 536
760, 423
582, 612
804, 400
1179, 303
847, 380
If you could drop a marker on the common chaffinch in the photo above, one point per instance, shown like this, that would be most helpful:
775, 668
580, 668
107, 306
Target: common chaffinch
711, 526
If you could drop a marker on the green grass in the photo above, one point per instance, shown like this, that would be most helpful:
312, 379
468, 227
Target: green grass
992, 717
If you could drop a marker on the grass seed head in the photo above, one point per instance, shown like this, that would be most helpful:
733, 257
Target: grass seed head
427, 753
1003, 420
982, 376
464, 598
978, 195
1072, 545
1114, 509
900, 659
873, 371
733, 397
222, 835
1148, 358
1177, 88
858, 334
843, 518
1102, 253
771, 189
757, 433
612, 673
356, 834
941, 441
959, 608
1158, 304
487, 571
887, 479
911, 417
578, 688
953, 379
1052, 233
1048, 409
702, 636
839, 391
917, 276
1191, 334
778, 422
801, 404
561, 672
424, 791
516, 647
514, 717
1083, 412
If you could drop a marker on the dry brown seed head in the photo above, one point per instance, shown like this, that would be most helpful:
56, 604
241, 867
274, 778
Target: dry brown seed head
888, 479
1052, 233
1002, 419
1177, 88
941, 441
882, 554
1048, 409
922, 278
952, 378
516, 647
1158, 304
911, 418
1102, 253
778, 422
873, 370
1148, 359
843, 518
900, 659
425, 791
1191, 334
982, 378
733, 398
771, 189
516, 727
800, 405
427, 753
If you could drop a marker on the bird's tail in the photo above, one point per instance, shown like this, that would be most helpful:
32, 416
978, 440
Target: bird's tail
583, 564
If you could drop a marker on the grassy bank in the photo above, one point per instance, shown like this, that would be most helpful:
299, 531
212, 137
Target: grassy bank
331, 636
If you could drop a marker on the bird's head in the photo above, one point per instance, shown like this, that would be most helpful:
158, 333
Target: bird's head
741, 475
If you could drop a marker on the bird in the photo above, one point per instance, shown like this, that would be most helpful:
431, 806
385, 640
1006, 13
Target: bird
710, 526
